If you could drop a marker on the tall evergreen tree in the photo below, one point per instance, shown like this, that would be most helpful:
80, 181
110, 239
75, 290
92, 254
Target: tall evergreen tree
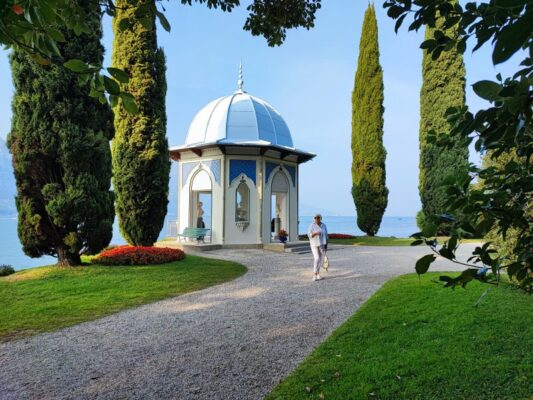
141, 163
368, 165
443, 86
59, 140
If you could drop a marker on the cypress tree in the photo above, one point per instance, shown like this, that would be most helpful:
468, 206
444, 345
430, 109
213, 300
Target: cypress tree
443, 86
368, 165
141, 163
59, 140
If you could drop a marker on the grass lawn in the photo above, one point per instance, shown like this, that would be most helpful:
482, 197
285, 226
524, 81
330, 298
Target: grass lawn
47, 298
421, 341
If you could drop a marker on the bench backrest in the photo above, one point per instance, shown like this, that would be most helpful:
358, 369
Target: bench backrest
195, 231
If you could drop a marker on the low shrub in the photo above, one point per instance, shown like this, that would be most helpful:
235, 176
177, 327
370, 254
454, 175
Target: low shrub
6, 270
138, 255
340, 236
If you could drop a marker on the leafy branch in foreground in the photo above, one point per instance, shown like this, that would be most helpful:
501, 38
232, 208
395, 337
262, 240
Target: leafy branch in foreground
501, 198
36, 27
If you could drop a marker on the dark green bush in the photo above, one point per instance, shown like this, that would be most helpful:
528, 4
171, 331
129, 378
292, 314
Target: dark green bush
6, 270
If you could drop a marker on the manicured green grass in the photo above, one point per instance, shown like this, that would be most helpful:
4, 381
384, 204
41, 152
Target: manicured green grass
48, 298
373, 241
385, 241
416, 340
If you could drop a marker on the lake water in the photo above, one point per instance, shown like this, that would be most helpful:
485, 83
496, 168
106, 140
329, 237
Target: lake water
11, 252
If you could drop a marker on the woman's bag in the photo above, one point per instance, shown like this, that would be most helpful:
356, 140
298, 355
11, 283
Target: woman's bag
326, 263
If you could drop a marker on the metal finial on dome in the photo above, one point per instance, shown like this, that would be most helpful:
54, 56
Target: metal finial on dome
240, 82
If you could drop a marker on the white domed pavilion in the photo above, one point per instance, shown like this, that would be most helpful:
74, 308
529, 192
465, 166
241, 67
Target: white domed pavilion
238, 172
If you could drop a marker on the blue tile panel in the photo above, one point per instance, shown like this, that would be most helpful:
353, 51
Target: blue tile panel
186, 169
214, 166
246, 167
292, 173
270, 166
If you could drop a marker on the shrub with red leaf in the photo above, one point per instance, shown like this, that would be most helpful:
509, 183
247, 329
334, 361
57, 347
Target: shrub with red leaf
138, 255
340, 236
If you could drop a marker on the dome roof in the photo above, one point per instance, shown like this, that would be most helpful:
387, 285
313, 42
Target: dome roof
239, 118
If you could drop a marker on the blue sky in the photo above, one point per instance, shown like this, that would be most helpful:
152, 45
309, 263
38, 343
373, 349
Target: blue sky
309, 80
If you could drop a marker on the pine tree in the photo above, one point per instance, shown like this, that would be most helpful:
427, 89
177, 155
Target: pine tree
141, 163
443, 86
368, 165
59, 140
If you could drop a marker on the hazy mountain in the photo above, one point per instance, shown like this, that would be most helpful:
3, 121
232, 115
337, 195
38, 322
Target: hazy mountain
307, 209
7, 183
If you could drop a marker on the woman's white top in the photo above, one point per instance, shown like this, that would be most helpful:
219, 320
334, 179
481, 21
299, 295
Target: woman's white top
321, 239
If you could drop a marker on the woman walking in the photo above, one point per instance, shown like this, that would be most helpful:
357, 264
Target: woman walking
318, 239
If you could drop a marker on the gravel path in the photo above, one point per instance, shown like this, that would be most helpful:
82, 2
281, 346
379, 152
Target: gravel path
232, 341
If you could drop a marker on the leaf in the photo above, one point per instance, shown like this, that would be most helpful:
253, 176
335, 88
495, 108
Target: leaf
56, 34
119, 75
129, 103
511, 38
422, 265
487, 90
417, 242
46, 12
447, 253
113, 100
163, 20
399, 22
111, 86
428, 44
76, 65
509, 3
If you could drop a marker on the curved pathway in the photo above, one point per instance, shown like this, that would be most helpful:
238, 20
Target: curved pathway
232, 341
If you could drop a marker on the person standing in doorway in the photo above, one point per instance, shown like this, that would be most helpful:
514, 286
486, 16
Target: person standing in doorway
200, 215
318, 239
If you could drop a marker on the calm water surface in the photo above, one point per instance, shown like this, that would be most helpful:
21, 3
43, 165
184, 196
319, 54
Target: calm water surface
11, 252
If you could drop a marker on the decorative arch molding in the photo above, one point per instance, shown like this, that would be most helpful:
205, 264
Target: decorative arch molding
200, 171
242, 167
271, 169
186, 169
211, 166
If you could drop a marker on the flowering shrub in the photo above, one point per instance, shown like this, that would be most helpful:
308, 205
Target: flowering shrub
282, 233
340, 236
138, 255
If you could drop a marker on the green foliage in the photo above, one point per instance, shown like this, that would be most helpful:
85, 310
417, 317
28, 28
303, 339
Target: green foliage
6, 270
506, 244
141, 163
413, 340
368, 165
443, 86
420, 219
503, 202
37, 27
42, 299
61, 157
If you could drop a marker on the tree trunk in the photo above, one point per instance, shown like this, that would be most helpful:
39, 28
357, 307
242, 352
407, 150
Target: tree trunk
66, 258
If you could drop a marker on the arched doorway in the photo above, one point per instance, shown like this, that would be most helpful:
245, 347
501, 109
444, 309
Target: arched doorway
279, 204
200, 213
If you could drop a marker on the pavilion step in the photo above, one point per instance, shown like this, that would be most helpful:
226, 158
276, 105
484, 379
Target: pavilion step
301, 249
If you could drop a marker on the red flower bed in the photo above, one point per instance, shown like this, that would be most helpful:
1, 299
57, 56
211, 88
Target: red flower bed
138, 255
340, 236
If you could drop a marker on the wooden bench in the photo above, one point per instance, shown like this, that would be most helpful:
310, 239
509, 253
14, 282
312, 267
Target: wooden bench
194, 233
